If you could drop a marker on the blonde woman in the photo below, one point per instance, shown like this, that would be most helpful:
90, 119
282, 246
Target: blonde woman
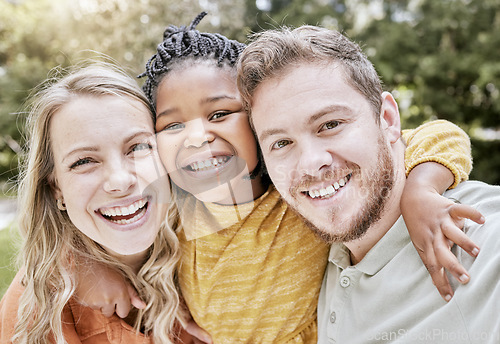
92, 189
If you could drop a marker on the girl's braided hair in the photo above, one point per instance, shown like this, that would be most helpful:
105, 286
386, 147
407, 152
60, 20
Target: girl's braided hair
183, 43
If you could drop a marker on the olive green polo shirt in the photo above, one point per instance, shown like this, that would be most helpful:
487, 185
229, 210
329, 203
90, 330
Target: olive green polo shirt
389, 295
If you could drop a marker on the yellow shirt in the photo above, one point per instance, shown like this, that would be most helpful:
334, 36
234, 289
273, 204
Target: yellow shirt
258, 280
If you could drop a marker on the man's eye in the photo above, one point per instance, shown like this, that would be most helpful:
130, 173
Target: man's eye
329, 125
219, 115
280, 144
80, 162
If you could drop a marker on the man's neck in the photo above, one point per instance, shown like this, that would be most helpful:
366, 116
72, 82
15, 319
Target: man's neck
391, 213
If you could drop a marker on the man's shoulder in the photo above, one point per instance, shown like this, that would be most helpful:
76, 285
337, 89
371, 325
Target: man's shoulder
483, 197
486, 199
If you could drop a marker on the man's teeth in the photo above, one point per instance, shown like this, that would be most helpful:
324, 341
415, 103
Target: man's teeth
206, 164
124, 211
328, 191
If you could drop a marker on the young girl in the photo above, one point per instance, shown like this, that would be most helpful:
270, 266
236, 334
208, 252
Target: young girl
88, 193
250, 270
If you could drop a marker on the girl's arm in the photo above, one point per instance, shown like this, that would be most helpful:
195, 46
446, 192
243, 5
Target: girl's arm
103, 288
437, 158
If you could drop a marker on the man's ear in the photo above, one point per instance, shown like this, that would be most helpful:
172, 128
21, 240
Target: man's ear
390, 121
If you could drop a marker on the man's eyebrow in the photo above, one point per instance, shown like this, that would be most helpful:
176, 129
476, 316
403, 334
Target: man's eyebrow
320, 113
327, 110
270, 132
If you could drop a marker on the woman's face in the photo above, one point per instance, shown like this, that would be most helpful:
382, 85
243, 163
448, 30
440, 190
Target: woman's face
106, 165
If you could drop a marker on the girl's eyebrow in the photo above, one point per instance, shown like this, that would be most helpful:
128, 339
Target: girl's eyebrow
207, 100
166, 112
217, 98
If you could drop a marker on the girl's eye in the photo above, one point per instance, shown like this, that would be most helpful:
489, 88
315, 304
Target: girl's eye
329, 125
219, 115
80, 162
280, 144
174, 126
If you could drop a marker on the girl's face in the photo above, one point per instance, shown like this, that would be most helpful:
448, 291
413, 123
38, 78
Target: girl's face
204, 137
106, 164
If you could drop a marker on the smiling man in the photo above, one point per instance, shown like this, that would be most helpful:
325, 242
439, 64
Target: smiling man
331, 141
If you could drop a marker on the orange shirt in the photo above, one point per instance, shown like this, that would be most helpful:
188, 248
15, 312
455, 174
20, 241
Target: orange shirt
81, 325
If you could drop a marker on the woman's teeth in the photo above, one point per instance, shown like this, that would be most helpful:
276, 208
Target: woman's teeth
206, 164
330, 190
125, 215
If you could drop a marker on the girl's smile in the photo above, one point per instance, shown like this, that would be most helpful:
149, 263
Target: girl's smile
204, 137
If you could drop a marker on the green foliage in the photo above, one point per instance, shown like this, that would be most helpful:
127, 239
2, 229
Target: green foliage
440, 58
9, 239
38, 35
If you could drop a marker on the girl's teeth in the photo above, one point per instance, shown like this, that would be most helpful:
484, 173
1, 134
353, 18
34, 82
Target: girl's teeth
209, 163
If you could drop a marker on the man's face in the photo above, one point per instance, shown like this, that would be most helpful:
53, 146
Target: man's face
323, 149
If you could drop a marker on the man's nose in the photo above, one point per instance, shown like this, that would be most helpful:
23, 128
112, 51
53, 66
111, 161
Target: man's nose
313, 159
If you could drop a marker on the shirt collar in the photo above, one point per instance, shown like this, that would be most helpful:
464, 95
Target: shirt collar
384, 250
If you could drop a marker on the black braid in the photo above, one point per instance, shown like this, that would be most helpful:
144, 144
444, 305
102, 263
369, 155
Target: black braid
181, 43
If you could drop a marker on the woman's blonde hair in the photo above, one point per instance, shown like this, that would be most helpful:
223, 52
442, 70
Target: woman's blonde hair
51, 241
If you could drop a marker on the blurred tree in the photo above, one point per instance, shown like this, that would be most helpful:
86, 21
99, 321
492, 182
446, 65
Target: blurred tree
440, 58
38, 35
268, 14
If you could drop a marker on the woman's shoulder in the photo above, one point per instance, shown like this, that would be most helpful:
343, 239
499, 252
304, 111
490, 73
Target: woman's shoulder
8, 308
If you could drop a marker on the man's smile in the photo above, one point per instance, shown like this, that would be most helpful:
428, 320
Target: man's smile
328, 191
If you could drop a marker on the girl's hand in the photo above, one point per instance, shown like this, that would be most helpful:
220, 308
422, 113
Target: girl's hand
435, 223
102, 288
191, 333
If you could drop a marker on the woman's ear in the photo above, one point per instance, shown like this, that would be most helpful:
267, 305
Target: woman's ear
58, 196
390, 121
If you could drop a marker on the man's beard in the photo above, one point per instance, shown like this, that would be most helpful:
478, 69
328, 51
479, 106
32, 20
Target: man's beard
379, 183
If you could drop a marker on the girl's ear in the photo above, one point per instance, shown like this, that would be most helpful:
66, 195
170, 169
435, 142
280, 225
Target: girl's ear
390, 121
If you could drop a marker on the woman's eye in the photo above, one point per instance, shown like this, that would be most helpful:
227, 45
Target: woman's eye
280, 144
219, 115
174, 126
329, 125
80, 162
141, 146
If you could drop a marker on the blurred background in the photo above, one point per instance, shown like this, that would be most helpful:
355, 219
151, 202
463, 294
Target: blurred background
440, 58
